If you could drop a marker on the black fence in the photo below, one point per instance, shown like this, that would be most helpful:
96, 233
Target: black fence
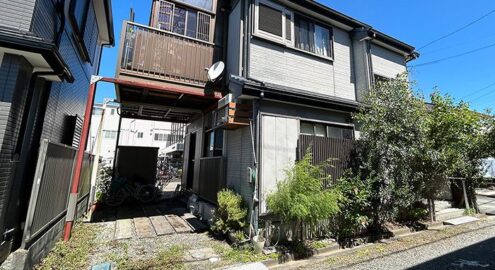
211, 177
51, 187
336, 151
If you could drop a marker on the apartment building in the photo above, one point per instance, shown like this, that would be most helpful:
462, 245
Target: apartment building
166, 136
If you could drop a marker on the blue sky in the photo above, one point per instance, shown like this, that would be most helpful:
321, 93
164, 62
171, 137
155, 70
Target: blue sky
470, 77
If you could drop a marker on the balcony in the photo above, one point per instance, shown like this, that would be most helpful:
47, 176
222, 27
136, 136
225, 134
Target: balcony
150, 53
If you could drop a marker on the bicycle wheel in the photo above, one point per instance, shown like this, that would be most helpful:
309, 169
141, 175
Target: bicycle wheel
116, 198
145, 193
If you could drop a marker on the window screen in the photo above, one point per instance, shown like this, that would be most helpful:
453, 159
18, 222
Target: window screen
165, 16
288, 27
203, 26
179, 21
270, 20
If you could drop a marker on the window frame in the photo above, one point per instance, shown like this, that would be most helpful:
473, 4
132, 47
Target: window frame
283, 40
327, 125
188, 8
79, 31
266, 35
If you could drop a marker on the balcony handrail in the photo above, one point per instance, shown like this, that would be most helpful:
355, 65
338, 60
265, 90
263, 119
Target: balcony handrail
167, 32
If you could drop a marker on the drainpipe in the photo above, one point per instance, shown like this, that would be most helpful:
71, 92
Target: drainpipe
71, 208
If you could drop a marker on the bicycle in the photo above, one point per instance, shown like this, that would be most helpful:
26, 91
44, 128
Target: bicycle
121, 189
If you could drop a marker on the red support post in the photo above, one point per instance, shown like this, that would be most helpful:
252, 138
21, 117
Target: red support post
71, 208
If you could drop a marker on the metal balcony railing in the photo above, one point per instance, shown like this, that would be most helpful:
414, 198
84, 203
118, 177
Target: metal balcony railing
157, 54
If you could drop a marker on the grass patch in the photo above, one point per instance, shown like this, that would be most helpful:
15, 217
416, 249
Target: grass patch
74, 253
243, 254
318, 245
172, 258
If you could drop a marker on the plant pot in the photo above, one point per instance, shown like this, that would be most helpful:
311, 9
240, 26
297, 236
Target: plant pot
258, 244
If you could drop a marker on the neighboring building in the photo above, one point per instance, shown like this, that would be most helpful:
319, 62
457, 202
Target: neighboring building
295, 72
48, 52
133, 132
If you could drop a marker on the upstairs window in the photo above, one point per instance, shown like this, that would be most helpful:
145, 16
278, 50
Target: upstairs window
273, 22
184, 21
140, 135
324, 130
312, 37
110, 134
270, 20
82, 17
202, 4
161, 137
278, 24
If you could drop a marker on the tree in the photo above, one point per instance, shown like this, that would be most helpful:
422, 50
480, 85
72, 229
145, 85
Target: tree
457, 139
392, 135
302, 198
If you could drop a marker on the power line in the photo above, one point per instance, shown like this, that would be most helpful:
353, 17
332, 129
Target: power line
489, 93
458, 30
454, 56
478, 91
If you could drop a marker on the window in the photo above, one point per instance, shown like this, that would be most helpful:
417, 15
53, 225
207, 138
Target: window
280, 25
97, 111
140, 135
184, 21
86, 33
312, 37
161, 137
324, 130
380, 78
270, 20
109, 134
112, 111
273, 22
78, 12
213, 146
202, 4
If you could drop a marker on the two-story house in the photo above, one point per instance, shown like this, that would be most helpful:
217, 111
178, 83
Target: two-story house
295, 72
49, 49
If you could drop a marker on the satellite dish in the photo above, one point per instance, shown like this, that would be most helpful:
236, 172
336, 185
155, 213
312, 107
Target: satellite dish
216, 71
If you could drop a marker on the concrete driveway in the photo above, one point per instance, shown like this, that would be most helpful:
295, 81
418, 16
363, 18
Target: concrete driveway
486, 204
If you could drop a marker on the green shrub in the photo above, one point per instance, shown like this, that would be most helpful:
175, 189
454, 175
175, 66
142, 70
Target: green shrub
353, 218
413, 213
230, 214
302, 198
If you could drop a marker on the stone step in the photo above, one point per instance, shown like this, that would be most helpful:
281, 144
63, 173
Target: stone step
123, 229
460, 220
449, 213
179, 225
144, 229
161, 225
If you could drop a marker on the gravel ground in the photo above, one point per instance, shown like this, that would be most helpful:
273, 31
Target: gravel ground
470, 246
146, 248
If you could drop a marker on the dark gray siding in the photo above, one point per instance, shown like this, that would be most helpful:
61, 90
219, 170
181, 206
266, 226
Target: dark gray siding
65, 99
15, 73
45, 20
16, 14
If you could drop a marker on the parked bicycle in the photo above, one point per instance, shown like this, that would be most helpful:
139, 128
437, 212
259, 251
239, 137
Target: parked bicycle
121, 189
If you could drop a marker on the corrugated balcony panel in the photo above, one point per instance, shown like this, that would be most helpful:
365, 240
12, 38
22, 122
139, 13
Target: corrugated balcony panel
161, 55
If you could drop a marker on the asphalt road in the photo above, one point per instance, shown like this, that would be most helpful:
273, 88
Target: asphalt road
472, 250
